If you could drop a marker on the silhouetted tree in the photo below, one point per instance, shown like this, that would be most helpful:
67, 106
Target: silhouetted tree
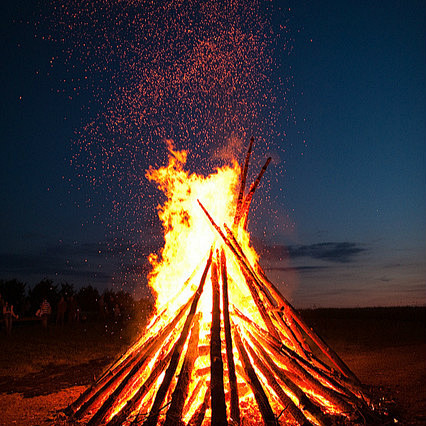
66, 290
87, 299
126, 303
143, 310
44, 289
13, 291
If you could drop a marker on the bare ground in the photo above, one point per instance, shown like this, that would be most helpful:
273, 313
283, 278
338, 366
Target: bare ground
43, 372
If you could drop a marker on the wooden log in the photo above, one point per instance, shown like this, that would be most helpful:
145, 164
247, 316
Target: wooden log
244, 170
249, 281
296, 342
325, 377
201, 372
289, 406
259, 329
120, 393
327, 351
171, 370
194, 394
198, 417
126, 411
304, 380
309, 409
216, 365
248, 274
115, 385
260, 305
288, 319
331, 355
265, 409
249, 196
235, 408
117, 367
174, 413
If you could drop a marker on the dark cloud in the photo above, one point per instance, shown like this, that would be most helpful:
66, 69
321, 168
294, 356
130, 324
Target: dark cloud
343, 252
295, 268
334, 252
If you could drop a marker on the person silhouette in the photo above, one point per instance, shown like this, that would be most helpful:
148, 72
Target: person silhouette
8, 315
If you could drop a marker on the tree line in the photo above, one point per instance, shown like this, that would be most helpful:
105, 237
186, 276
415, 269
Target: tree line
90, 302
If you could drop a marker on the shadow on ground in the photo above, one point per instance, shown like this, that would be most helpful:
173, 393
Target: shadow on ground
53, 378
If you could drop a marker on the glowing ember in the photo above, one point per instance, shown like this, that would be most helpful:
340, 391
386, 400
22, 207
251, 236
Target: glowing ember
225, 347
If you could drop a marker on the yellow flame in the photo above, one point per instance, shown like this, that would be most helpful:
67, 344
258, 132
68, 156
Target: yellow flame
188, 234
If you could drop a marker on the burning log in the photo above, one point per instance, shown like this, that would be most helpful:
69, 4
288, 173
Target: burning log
249, 281
331, 355
238, 212
161, 394
327, 351
300, 369
260, 306
198, 416
117, 382
174, 413
309, 409
249, 196
120, 417
235, 408
252, 379
289, 406
304, 380
296, 340
194, 394
216, 366
108, 406
273, 373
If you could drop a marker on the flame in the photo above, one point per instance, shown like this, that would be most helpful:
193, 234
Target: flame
188, 239
188, 235
205, 241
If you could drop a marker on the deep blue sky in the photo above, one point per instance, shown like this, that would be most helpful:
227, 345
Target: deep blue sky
345, 222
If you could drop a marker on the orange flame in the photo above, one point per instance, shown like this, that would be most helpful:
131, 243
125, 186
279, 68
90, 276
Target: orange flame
200, 218
187, 233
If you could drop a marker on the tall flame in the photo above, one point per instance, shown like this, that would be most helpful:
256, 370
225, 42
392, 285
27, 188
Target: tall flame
245, 355
188, 235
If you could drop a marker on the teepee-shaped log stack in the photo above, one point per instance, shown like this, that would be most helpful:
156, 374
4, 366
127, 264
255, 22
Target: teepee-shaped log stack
227, 368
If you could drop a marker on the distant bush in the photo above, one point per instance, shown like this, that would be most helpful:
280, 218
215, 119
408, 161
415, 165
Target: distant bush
88, 300
14, 292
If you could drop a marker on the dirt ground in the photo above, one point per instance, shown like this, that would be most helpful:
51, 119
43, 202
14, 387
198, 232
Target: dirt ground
42, 372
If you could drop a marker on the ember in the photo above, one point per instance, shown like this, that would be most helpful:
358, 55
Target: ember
227, 347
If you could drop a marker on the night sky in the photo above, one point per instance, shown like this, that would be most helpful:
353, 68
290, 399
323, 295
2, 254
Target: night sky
334, 91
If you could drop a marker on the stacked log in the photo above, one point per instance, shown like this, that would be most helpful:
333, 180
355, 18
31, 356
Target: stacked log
158, 381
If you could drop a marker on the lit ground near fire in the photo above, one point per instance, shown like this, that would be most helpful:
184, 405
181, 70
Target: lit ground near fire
42, 372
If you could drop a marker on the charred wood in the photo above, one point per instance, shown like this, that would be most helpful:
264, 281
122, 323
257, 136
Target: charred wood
235, 409
174, 413
132, 403
254, 382
198, 417
247, 200
171, 370
216, 366
244, 170
328, 352
119, 381
288, 404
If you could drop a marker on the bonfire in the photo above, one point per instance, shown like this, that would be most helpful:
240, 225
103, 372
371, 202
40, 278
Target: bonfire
225, 347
